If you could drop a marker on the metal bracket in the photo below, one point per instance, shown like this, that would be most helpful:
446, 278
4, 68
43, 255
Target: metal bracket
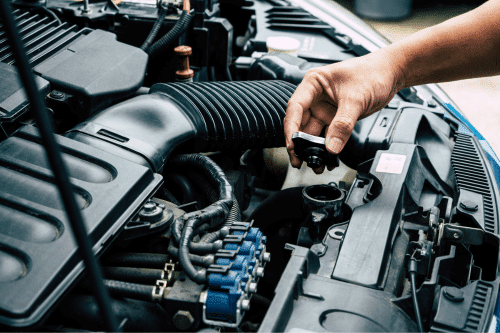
459, 234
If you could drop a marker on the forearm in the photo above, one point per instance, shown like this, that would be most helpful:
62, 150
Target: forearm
464, 47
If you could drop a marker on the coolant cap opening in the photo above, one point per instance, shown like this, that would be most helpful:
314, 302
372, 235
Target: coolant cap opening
283, 44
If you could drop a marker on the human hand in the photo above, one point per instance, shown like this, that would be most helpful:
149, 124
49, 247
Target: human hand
337, 96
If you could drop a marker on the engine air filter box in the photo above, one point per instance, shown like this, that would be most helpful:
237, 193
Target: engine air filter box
39, 257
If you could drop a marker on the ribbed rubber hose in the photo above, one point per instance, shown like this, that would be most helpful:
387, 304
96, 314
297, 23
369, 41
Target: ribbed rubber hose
172, 36
156, 27
130, 290
235, 115
145, 260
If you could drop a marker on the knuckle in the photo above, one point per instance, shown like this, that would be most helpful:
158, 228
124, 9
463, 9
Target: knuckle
345, 124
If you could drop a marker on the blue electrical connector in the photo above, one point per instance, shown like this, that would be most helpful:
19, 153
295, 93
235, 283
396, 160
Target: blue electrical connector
233, 278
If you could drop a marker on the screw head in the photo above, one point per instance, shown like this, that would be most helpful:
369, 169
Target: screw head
149, 207
57, 95
183, 320
469, 205
453, 294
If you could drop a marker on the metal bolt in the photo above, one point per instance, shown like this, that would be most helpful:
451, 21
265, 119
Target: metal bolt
183, 320
259, 271
245, 304
431, 103
57, 95
252, 287
469, 205
149, 207
267, 257
453, 294
86, 9
456, 235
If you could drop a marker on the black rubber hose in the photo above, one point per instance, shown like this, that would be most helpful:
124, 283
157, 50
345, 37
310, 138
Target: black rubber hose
172, 36
132, 274
142, 260
58, 166
184, 185
203, 261
156, 27
198, 276
130, 290
413, 281
214, 215
210, 237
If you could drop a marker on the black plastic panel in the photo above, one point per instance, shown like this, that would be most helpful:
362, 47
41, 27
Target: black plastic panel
13, 100
38, 254
315, 44
472, 174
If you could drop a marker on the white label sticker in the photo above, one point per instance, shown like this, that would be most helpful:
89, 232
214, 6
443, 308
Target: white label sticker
391, 163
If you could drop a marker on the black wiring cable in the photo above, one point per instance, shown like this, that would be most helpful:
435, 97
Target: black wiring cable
170, 37
229, 77
413, 281
52, 14
211, 70
156, 27
58, 167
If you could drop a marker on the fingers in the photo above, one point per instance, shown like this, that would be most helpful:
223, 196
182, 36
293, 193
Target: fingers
341, 126
297, 113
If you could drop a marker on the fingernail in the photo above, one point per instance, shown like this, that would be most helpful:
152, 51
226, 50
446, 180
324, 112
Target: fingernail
334, 145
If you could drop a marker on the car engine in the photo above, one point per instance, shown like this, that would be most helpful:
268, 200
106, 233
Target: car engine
169, 115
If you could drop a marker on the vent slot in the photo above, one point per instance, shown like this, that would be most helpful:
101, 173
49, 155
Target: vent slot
293, 18
479, 303
472, 175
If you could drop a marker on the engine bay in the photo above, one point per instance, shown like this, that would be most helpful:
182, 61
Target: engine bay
170, 120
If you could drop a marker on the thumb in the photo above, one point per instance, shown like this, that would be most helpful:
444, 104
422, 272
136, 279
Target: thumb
341, 127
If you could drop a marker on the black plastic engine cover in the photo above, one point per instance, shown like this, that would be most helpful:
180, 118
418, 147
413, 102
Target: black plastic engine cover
38, 253
13, 99
97, 68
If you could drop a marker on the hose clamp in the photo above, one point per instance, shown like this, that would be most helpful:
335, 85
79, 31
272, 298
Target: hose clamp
158, 290
168, 271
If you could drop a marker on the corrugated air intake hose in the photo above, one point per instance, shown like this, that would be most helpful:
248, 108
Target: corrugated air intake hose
193, 117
